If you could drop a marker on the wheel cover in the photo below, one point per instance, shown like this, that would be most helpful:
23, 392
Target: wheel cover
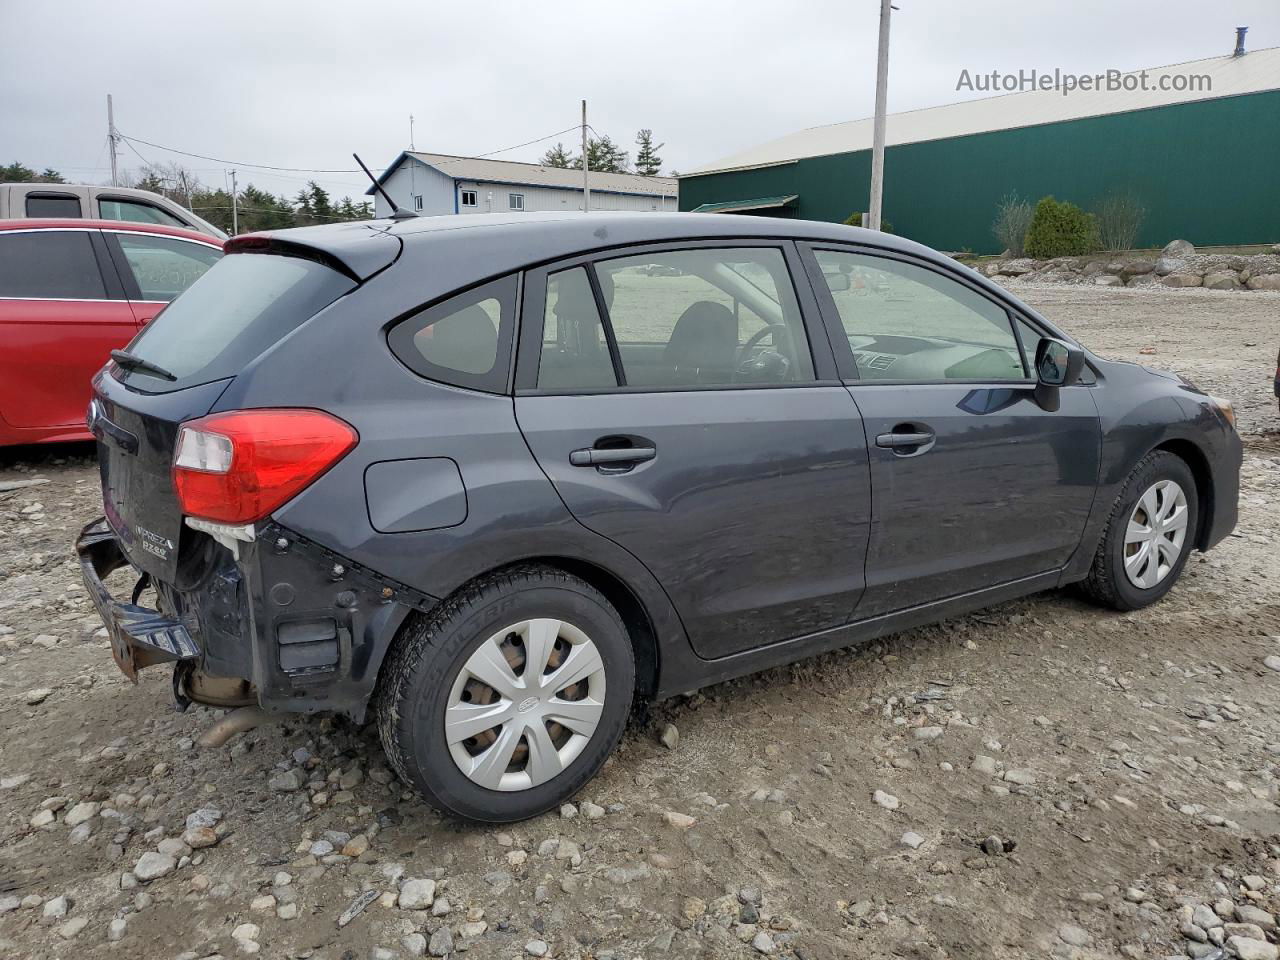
1155, 534
525, 704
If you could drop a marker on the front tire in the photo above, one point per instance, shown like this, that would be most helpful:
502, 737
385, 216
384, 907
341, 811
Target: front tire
1149, 534
507, 699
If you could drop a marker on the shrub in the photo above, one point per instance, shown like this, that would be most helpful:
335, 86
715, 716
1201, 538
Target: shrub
1013, 218
1060, 230
855, 220
1119, 217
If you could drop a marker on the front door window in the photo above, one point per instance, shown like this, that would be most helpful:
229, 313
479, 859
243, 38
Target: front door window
906, 322
705, 317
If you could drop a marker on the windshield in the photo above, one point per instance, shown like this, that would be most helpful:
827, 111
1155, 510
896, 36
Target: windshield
245, 304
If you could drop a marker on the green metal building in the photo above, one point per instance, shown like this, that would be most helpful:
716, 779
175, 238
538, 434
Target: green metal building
1203, 159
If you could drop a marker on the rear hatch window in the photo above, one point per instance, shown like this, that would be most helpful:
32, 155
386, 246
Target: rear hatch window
244, 305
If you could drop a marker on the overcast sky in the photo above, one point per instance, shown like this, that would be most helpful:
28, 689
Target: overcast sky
305, 84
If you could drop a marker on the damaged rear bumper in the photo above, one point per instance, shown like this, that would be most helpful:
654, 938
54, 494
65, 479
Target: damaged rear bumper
303, 627
139, 637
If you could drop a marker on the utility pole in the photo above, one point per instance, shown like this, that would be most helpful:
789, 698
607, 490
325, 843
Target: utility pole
877, 148
411, 147
235, 207
112, 136
586, 183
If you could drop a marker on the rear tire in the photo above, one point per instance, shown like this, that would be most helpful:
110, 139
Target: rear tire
467, 669
1149, 534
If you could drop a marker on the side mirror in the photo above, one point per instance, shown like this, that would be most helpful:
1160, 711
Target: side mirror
838, 282
1058, 364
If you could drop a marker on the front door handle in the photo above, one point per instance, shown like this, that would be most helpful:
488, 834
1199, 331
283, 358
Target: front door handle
895, 440
595, 457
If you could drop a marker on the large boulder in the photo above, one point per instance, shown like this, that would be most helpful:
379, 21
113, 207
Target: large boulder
990, 269
1182, 280
1016, 268
1135, 267
1108, 280
1275, 248
1222, 280
1178, 248
1167, 265
1266, 281
1093, 268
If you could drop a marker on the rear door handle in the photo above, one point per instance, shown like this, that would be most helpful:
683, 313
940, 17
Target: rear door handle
593, 457
895, 440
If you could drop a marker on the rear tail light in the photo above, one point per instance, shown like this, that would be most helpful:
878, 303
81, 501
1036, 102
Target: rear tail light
238, 467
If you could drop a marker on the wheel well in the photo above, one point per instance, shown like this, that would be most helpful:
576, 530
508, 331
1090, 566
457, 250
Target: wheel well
1194, 458
634, 616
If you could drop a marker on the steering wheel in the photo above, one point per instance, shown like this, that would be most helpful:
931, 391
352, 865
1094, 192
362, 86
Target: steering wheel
781, 334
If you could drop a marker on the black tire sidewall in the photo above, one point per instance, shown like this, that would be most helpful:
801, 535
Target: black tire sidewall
423, 703
1166, 466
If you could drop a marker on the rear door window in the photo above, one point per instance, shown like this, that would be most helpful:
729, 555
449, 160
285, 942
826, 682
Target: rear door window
49, 265
244, 305
575, 351
54, 206
164, 267
464, 341
136, 211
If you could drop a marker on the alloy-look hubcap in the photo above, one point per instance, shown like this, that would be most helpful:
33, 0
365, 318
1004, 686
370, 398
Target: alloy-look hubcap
525, 704
1155, 535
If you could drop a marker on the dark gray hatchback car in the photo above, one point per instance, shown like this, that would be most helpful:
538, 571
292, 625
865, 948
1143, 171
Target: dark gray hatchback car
494, 478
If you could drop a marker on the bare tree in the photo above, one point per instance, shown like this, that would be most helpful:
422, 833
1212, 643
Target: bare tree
171, 180
1120, 216
1013, 218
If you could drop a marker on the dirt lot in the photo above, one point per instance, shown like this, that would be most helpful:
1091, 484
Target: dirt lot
1128, 765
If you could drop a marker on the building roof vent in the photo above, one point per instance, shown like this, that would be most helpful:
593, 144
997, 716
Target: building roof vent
1240, 32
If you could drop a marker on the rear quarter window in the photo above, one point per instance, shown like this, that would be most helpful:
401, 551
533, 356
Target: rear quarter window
163, 267
244, 305
464, 341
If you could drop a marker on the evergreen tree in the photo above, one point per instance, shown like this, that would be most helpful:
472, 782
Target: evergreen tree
314, 205
259, 210
557, 156
348, 209
647, 160
604, 156
21, 173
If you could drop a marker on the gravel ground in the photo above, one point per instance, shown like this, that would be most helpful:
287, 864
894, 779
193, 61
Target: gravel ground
1039, 779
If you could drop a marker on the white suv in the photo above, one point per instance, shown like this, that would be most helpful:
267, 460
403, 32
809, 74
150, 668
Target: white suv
77, 201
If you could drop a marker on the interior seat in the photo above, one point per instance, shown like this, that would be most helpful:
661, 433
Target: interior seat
704, 344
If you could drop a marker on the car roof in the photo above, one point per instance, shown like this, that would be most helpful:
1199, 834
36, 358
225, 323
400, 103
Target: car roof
125, 226
502, 242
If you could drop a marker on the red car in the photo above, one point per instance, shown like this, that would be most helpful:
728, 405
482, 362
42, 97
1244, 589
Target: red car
71, 291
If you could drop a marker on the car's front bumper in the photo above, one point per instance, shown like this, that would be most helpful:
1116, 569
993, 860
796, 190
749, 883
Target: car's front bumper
1224, 508
139, 637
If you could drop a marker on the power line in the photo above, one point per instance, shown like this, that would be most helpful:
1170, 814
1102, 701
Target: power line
527, 143
234, 163
288, 213
264, 166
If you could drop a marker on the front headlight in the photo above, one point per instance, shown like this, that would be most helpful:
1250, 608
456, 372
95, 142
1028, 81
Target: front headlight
1225, 410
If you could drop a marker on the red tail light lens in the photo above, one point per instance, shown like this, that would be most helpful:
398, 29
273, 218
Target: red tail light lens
238, 467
